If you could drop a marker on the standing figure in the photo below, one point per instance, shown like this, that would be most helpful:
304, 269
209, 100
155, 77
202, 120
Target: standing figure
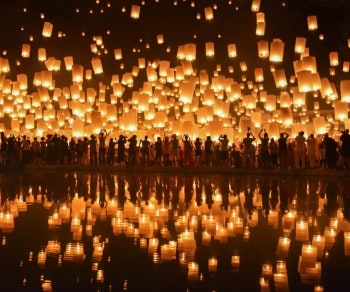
282, 150
311, 146
102, 146
158, 145
145, 144
264, 149
300, 149
209, 151
248, 155
175, 150
187, 151
166, 151
121, 150
93, 150
111, 151
197, 151
132, 152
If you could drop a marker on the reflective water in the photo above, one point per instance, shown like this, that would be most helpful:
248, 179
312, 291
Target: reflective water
102, 231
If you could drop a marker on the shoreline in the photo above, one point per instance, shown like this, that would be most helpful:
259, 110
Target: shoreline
181, 170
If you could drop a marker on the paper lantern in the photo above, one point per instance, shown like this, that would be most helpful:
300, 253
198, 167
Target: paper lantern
97, 65
346, 66
249, 101
345, 90
68, 62
47, 29
5, 65
30, 122
259, 74
341, 110
41, 54
209, 49
298, 98
333, 59
263, 49
304, 81
286, 116
77, 73
160, 39
118, 54
135, 11
255, 7
25, 51
260, 28
320, 125
300, 43
260, 17
276, 51
151, 74
280, 78
232, 51
312, 22
208, 13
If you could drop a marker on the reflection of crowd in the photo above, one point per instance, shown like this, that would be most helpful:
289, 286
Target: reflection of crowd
262, 152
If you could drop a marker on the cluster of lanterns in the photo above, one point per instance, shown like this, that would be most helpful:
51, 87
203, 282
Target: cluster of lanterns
174, 98
147, 226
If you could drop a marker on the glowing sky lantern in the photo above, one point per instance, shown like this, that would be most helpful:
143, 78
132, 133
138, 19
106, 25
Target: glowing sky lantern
68, 62
25, 51
333, 59
209, 49
260, 28
47, 29
232, 50
255, 7
345, 90
209, 14
41, 54
280, 78
259, 74
276, 51
135, 11
300, 44
304, 81
263, 49
341, 110
189, 52
97, 65
118, 54
312, 22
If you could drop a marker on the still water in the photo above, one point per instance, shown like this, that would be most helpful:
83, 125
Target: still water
103, 231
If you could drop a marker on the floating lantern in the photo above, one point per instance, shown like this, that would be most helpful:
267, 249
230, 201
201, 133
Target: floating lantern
135, 11
25, 51
255, 7
68, 62
208, 13
333, 59
232, 51
209, 49
345, 90
97, 65
300, 44
263, 49
47, 29
276, 51
312, 22
260, 28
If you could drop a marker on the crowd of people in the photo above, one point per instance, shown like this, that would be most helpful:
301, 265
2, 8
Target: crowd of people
286, 152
